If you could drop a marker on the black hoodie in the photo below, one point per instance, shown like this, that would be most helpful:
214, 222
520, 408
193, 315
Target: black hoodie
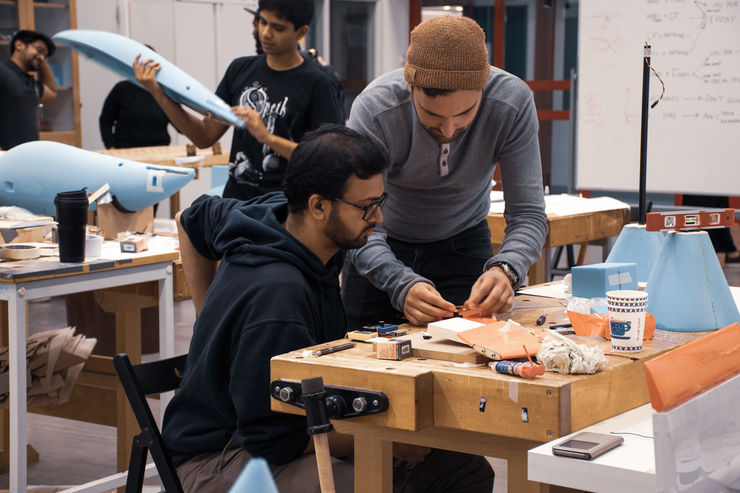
271, 295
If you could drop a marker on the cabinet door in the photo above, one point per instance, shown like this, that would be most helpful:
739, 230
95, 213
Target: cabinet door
59, 119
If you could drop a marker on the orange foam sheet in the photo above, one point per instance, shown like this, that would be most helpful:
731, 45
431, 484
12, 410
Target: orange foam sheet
676, 376
597, 325
502, 340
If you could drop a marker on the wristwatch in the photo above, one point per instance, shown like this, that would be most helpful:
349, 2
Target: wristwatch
508, 270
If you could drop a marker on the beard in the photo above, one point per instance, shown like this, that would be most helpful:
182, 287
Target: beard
437, 135
339, 234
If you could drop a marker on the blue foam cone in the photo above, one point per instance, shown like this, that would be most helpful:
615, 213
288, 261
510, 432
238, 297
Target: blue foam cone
636, 244
687, 290
255, 477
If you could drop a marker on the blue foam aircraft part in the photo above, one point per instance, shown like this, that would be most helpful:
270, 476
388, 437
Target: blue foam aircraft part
255, 476
31, 175
117, 53
636, 244
687, 290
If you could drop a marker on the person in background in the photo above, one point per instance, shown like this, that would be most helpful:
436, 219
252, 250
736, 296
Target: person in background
310, 55
446, 120
132, 118
278, 95
25, 81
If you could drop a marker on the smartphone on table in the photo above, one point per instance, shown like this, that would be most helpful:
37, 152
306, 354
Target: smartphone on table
586, 445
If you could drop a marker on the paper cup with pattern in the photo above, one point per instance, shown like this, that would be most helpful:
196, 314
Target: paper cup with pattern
626, 311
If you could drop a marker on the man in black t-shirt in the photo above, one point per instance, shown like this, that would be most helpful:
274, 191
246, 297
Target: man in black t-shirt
25, 80
132, 118
278, 95
310, 55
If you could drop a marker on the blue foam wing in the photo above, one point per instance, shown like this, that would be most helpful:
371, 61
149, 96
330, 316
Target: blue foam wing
255, 476
31, 175
117, 53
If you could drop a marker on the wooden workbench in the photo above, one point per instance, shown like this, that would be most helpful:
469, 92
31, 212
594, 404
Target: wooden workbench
171, 156
167, 155
436, 403
569, 220
124, 284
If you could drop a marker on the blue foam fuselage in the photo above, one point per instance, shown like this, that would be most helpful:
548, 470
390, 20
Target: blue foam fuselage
31, 175
117, 53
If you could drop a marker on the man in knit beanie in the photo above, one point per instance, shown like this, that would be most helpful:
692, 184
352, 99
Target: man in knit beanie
446, 119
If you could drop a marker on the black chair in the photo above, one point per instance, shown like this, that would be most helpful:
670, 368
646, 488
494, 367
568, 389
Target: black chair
139, 381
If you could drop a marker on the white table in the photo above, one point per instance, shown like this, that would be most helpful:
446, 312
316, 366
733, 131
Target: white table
628, 467
23, 281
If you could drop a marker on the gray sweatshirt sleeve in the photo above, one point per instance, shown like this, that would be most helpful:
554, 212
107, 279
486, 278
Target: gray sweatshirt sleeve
375, 260
521, 176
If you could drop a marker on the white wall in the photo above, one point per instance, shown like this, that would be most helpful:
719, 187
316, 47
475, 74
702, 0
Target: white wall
201, 37
95, 81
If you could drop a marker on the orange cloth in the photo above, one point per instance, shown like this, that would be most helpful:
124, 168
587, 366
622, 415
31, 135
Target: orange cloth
597, 324
676, 376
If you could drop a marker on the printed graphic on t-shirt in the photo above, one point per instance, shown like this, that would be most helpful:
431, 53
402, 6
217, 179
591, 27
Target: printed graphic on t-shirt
243, 169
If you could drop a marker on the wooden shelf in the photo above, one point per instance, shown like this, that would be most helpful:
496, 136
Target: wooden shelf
65, 137
8, 2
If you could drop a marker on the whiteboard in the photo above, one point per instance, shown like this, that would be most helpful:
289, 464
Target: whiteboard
694, 132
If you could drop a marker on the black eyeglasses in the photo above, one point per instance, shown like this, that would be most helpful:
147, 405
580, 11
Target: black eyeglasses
369, 209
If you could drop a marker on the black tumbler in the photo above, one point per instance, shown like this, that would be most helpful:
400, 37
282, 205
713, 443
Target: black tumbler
71, 224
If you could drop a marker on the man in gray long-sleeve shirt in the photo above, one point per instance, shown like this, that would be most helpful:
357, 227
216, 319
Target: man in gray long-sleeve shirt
446, 119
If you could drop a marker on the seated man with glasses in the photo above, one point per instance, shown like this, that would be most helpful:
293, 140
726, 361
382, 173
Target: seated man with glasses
369, 209
277, 290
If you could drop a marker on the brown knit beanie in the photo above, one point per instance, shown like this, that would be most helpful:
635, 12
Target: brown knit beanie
447, 52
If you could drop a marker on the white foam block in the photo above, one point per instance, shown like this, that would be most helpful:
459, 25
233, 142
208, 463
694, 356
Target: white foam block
451, 327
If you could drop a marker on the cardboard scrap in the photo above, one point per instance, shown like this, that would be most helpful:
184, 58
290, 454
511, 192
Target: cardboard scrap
25, 231
111, 221
55, 359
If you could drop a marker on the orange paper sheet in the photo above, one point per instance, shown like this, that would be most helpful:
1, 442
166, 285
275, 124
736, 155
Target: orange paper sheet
597, 325
502, 342
475, 314
676, 376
